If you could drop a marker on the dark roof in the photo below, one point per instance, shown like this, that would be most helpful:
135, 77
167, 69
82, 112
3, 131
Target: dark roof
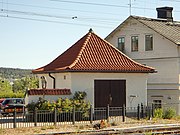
168, 29
49, 92
93, 54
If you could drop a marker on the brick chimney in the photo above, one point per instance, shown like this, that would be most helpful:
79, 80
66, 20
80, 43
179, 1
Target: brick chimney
165, 13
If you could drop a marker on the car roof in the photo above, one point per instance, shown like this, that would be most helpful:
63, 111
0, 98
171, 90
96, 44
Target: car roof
13, 98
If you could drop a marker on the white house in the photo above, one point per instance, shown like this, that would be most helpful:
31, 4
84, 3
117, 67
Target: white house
156, 43
95, 66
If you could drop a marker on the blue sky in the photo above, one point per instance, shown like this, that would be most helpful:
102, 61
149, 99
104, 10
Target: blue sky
34, 32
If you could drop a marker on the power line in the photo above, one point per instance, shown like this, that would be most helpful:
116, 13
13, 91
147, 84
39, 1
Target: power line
55, 8
172, 0
89, 3
60, 17
70, 17
60, 22
102, 4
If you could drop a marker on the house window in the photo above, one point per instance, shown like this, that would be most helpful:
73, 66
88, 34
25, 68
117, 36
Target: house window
157, 103
134, 43
121, 43
148, 42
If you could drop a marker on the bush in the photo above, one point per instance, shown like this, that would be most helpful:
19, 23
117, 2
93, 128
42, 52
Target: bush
158, 113
11, 95
64, 105
169, 113
165, 114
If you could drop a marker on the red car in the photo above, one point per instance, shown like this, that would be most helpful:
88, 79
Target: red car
1, 100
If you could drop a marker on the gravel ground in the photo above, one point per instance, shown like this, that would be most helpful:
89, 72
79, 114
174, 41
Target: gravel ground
79, 127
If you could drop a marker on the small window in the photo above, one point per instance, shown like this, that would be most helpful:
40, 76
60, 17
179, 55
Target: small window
134, 43
121, 43
157, 103
148, 42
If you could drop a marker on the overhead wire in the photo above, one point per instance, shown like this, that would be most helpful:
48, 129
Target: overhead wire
55, 8
104, 21
60, 22
101, 4
172, 0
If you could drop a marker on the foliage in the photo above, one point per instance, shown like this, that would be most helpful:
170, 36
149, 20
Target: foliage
14, 82
14, 73
158, 113
169, 113
11, 87
5, 86
31, 106
79, 95
11, 95
62, 105
165, 114
27, 82
17, 90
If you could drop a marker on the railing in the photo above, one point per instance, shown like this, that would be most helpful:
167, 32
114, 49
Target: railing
47, 118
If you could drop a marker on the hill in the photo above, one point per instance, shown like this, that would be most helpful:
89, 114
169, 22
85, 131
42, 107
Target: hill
14, 73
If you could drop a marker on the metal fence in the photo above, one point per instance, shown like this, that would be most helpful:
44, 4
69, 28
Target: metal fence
93, 115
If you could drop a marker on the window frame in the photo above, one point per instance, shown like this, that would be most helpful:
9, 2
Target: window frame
121, 45
149, 44
157, 103
134, 43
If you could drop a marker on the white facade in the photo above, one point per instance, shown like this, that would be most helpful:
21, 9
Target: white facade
136, 84
165, 84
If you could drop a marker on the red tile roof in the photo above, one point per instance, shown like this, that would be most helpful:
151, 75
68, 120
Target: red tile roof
93, 54
49, 92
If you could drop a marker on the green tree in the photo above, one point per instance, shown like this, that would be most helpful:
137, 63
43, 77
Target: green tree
5, 86
22, 84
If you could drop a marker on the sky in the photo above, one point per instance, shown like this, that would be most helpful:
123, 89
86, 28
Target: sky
35, 32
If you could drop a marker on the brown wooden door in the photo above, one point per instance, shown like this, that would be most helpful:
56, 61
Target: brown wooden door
112, 92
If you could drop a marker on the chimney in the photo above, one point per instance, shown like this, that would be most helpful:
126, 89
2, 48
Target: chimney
165, 13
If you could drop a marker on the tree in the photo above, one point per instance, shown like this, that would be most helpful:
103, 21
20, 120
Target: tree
22, 84
5, 86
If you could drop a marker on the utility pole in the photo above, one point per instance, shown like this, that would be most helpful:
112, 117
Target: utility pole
129, 7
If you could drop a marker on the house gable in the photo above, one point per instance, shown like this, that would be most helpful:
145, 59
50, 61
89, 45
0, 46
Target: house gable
167, 29
162, 46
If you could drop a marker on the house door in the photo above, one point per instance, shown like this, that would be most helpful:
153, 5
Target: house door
112, 92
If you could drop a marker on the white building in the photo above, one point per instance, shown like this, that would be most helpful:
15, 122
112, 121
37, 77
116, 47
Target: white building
156, 43
95, 66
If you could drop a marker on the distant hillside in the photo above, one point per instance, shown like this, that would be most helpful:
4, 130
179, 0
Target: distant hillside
14, 73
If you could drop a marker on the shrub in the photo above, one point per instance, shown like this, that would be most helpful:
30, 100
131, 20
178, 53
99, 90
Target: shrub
169, 113
11, 95
165, 114
31, 106
158, 113
64, 105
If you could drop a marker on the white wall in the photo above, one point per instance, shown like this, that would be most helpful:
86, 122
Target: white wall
63, 80
169, 98
48, 79
164, 58
162, 46
136, 84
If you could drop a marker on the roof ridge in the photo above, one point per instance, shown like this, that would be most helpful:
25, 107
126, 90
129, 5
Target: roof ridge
153, 19
80, 52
